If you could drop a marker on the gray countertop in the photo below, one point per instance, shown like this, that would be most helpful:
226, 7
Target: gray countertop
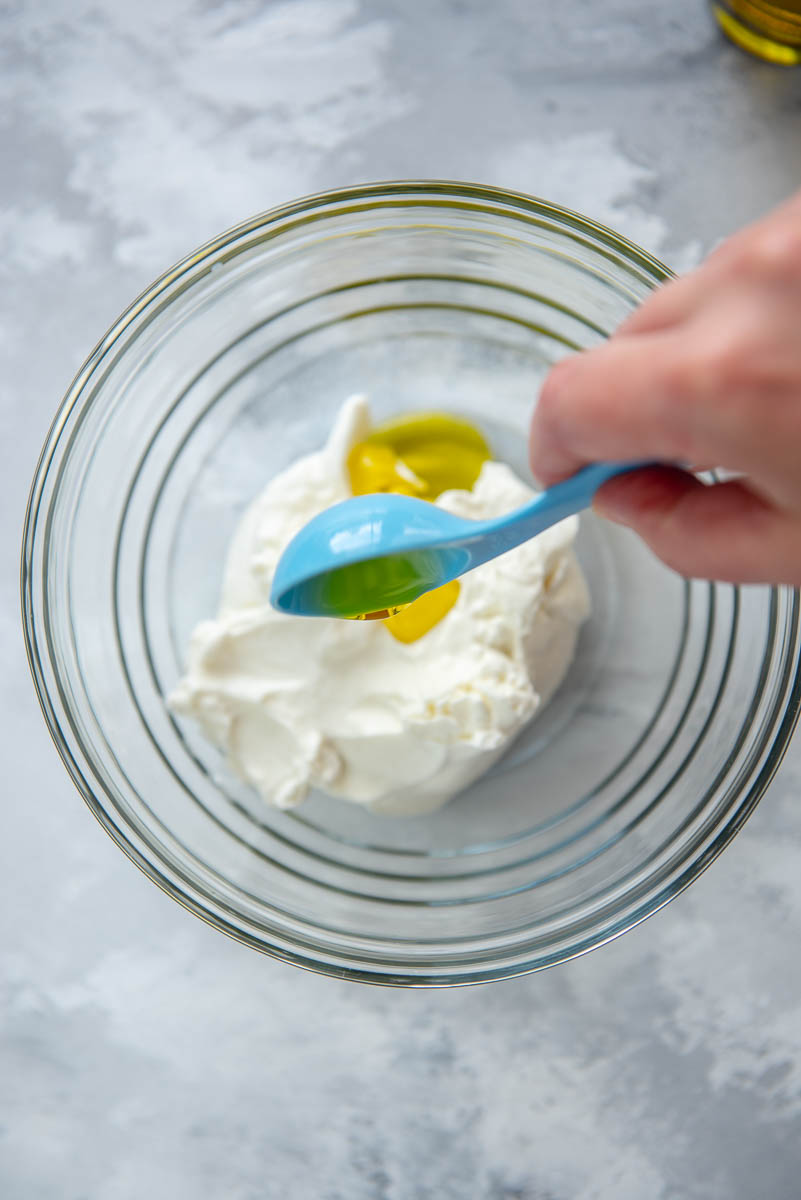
143, 1054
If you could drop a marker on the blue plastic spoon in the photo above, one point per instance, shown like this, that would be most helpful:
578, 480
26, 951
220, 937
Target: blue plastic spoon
371, 555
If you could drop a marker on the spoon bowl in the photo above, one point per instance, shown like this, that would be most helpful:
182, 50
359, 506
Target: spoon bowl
372, 554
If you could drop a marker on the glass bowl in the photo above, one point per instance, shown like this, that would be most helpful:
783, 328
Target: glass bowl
668, 728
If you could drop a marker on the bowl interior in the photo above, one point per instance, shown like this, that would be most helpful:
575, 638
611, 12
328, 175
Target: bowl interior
675, 710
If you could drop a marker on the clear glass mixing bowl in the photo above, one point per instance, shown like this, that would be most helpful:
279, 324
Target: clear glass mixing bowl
665, 734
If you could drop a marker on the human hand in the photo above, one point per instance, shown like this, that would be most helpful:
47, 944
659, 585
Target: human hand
707, 372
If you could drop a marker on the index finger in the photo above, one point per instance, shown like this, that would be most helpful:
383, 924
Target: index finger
619, 401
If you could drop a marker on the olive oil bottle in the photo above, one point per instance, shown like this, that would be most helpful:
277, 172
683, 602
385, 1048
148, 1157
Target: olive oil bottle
770, 31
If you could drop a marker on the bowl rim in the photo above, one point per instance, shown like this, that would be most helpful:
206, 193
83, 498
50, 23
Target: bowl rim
175, 280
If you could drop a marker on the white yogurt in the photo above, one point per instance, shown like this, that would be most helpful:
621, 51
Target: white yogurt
299, 703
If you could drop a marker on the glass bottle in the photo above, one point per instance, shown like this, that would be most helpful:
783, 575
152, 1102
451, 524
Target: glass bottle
770, 31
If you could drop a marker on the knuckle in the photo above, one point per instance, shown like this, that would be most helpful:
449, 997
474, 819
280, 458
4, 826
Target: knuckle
710, 371
679, 378
690, 378
698, 383
773, 253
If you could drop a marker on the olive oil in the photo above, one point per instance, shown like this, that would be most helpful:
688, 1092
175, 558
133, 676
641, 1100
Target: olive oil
376, 588
423, 455
420, 455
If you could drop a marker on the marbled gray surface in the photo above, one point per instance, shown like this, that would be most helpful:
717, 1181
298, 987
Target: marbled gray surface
142, 1054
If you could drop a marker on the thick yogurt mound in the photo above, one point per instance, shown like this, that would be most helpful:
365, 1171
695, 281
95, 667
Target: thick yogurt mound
299, 703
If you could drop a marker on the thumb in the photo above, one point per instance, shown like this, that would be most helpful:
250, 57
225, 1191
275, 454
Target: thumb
718, 531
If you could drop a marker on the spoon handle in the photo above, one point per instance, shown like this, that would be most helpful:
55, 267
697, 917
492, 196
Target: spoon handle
547, 508
577, 492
